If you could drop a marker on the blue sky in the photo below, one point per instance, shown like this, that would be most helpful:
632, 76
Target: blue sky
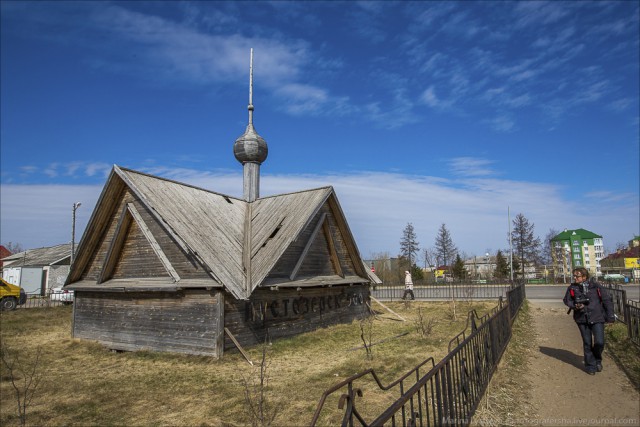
425, 112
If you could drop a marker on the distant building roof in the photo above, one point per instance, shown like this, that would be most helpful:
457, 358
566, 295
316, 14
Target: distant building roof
60, 254
625, 253
580, 232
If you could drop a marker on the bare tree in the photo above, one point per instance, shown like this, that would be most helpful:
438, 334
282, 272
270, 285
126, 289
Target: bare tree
429, 255
366, 334
424, 325
382, 264
25, 376
14, 248
546, 256
260, 407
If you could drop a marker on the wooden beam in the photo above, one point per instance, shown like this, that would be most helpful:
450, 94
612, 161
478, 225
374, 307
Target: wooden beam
238, 346
115, 247
153, 242
303, 255
347, 237
332, 249
388, 309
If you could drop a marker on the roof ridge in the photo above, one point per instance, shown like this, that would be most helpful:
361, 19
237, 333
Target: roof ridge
173, 181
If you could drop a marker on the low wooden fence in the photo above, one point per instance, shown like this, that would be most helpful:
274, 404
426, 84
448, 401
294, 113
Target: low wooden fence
627, 311
447, 393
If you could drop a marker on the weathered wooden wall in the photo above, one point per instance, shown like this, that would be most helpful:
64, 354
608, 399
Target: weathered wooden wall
137, 259
183, 322
288, 312
318, 260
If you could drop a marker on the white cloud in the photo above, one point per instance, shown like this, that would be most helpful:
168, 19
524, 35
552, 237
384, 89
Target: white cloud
470, 166
377, 206
503, 123
432, 100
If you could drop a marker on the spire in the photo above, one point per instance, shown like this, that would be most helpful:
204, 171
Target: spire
250, 149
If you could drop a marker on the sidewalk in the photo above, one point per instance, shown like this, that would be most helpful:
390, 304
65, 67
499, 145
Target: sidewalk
562, 392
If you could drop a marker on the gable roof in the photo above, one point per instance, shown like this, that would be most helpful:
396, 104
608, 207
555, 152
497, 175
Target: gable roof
238, 242
40, 257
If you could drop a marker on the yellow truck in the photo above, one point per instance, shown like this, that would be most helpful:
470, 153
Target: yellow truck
11, 296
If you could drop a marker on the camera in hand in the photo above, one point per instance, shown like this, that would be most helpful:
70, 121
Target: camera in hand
582, 299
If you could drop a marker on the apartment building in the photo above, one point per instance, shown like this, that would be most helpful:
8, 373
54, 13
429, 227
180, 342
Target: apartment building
576, 248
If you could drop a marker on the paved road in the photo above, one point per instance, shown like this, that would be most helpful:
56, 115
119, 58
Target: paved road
548, 292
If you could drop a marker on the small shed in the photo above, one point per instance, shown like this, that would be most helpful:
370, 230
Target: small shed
39, 270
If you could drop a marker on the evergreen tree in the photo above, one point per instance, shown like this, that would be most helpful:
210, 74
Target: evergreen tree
417, 273
526, 245
502, 266
445, 249
459, 271
409, 245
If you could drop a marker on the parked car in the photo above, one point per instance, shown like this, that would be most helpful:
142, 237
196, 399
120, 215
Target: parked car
11, 296
61, 294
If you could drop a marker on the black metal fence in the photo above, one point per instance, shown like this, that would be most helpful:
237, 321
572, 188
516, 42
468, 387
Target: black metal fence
449, 392
39, 301
444, 291
628, 311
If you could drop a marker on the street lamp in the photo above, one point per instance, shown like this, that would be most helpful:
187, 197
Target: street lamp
488, 265
76, 205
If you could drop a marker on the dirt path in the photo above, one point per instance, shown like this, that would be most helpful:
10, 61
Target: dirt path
562, 392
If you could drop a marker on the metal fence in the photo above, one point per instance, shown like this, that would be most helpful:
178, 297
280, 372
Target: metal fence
449, 392
444, 291
632, 316
39, 301
628, 311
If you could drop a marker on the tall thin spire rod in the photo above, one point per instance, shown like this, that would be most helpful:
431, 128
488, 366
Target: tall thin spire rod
251, 89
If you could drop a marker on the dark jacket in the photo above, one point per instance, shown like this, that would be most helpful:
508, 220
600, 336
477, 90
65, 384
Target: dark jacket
600, 306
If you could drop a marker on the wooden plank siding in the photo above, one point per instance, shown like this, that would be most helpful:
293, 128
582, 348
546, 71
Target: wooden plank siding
288, 312
136, 258
318, 261
212, 225
103, 238
167, 266
187, 322
278, 221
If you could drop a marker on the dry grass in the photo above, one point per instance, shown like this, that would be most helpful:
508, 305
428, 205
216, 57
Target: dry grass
85, 384
508, 396
625, 353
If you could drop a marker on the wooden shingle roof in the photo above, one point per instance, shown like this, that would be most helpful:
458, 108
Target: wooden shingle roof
239, 243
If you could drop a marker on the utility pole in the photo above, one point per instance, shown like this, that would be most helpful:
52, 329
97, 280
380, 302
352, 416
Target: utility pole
510, 245
76, 205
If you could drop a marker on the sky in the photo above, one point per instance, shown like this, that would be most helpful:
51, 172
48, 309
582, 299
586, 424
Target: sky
457, 113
